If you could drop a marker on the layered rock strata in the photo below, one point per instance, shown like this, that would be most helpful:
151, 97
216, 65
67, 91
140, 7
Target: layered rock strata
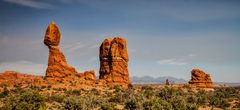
114, 61
57, 64
200, 79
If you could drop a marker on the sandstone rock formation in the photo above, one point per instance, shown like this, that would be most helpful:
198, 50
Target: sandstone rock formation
200, 79
59, 74
167, 82
114, 61
12, 78
57, 64
88, 75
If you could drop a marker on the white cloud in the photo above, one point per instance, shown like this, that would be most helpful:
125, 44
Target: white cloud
177, 61
32, 3
23, 67
95, 46
71, 47
93, 59
191, 55
172, 62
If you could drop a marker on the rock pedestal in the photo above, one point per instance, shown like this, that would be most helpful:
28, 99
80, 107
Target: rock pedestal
57, 64
200, 79
114, 61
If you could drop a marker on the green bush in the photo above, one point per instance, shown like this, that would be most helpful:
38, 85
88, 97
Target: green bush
73, 92
156, 104
131, 105
94, 91
114, 99
191, 106
30, 100
73, 103
178, 102
118, 88
4, 93
219, 102
147, 98
107, 106
56, 97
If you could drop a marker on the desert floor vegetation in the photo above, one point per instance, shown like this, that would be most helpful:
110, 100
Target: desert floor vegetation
133, 98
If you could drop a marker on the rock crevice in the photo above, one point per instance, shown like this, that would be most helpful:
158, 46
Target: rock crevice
114, 61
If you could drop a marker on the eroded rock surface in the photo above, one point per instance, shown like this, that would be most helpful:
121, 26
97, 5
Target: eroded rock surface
88, 75
12, 78
200, 79
57, 64
114, 61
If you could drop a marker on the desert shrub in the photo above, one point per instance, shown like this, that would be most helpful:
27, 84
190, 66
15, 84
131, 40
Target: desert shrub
86, 102
107, 106
56, 97
73, 103
115, 99
178, 102
219, 102
226, 92
30, 100
148, 91
4, 93
192, 99
128, 94
202, 97
49, 87
43, 87
92, 101
94, 91
166, 93
18, 90
131, 104
191, 106
73, 92
117, 88
156, 104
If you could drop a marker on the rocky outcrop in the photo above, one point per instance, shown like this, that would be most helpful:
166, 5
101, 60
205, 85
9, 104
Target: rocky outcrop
114, 61
59, 74
57, 64
200, 79
167, 82
88, 75
12, 78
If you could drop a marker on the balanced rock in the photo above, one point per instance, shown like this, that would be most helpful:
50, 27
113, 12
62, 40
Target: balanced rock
114, 61
57, 64
200, 79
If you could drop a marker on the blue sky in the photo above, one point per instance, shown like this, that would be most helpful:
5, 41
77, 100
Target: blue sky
164, 38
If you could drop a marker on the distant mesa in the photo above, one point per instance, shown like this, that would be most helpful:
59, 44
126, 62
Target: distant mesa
200, 79
114, 61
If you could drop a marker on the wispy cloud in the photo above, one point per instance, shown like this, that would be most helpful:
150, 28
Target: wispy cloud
94, 46
39, 4
191, 55
172, 62
71, 47
93, 59
24, 67
177, 61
